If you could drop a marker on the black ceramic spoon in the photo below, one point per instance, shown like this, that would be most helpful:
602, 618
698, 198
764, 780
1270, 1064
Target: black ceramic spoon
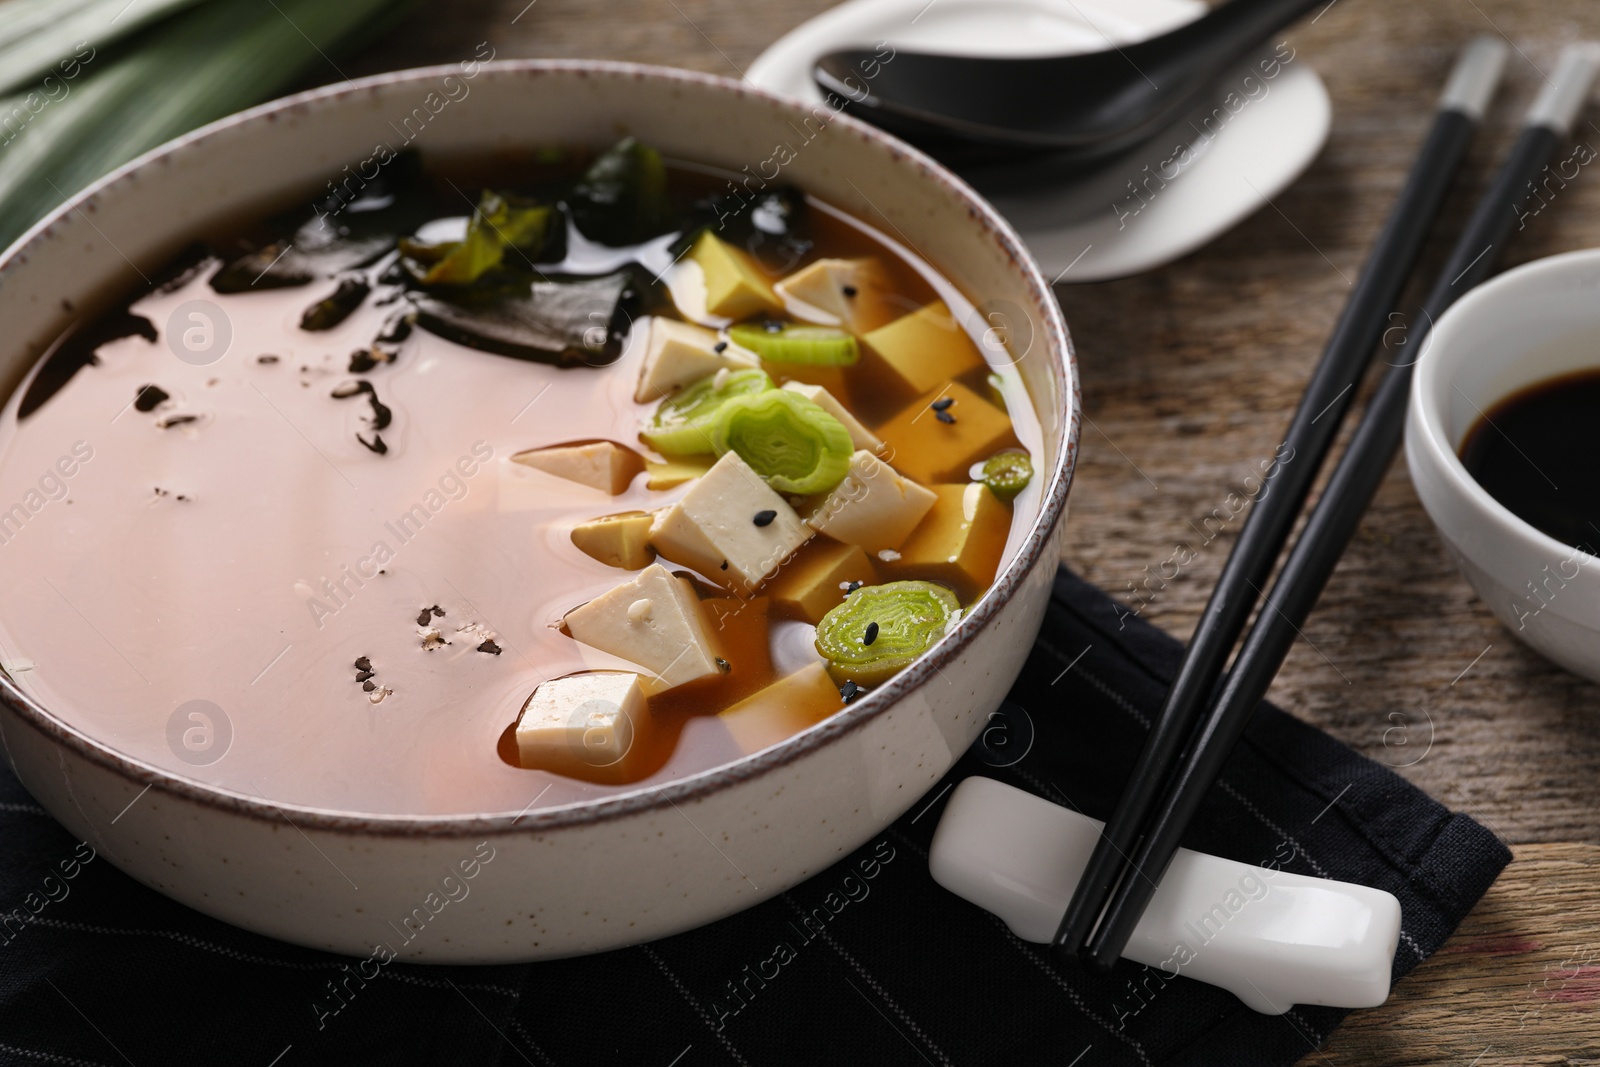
1090, 105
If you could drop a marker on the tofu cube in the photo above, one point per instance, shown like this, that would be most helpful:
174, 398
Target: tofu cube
617, 540
675, 472
784, 708
923, 350
874, 507
860, 436
942, 445
853, 293
735, 287
603, 465
677, 353
960, 542
740, 628
654, 620
583, 722
813, 582
730, 526
836, 380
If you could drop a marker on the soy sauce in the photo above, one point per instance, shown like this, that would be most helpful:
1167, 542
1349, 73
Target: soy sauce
1535, 452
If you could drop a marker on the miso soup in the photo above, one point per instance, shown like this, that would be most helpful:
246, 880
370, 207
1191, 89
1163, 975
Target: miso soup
504, 482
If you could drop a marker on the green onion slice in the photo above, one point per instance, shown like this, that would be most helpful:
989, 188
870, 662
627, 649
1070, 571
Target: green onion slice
1007, 473
789, 342
910, 618
786, 438
682, 425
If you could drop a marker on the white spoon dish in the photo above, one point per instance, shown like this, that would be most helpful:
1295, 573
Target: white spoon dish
1266, 122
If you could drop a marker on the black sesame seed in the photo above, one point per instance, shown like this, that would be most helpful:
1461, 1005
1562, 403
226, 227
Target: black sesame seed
720, 347
871, 635
266, 359
368, 686
849, 691
363, 664
723, 665
490, 647
423, 616
362, 676
724, 564
772, 326
438, 612
852, 588
848, 290
944, 417
943, 403
764, 518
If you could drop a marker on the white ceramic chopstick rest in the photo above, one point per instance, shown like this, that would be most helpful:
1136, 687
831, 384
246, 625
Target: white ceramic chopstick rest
1271, 938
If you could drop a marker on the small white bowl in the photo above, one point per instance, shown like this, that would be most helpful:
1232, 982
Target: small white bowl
1528, 325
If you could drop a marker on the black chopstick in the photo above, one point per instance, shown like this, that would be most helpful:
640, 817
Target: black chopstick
1350, 489
1286, 483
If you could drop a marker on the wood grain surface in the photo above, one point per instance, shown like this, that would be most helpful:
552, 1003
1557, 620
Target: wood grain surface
1189, 375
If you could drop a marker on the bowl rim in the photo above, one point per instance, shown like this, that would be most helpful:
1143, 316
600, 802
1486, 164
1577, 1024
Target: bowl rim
1029, 555
1426, 432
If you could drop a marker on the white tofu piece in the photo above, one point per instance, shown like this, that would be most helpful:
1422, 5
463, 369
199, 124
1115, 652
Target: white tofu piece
874, 507
860, 436
853, 293
677, 353
667, 637
714, 529
582, 721
603, 465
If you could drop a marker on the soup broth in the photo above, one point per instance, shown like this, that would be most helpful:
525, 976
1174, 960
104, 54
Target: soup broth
433, 529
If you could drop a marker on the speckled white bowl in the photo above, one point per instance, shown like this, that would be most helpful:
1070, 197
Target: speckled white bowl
595, 875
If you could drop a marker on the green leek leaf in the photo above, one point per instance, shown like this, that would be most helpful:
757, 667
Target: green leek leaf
182, 72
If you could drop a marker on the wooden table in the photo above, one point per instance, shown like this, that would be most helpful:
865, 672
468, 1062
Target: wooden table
1189, 375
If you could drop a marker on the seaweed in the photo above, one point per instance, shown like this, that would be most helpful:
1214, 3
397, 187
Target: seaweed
568, 322
622, 198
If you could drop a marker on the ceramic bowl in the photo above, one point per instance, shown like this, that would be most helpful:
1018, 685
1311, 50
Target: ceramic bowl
635, 865
1529, 324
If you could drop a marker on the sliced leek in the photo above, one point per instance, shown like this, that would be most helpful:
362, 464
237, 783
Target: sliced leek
682, 425
1007, 473
789, 342
790, 441
879, 629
